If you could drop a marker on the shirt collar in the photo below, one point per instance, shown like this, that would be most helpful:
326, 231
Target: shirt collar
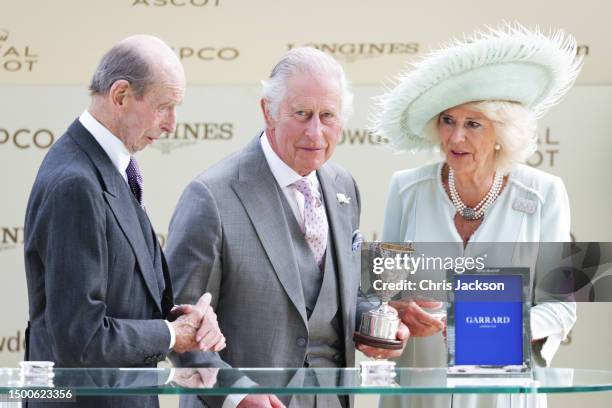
285, 176
112, 145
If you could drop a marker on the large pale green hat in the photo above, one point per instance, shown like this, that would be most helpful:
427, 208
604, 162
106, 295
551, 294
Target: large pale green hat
511, 63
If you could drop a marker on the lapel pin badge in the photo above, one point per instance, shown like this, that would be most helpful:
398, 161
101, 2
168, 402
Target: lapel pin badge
525, 205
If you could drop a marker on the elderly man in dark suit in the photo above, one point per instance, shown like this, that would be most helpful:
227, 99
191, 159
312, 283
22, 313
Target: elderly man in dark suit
100, 293
268, 232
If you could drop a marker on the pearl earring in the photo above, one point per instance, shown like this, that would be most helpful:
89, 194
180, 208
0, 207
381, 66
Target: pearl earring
497, 146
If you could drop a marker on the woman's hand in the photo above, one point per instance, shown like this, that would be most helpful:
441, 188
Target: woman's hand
419, 322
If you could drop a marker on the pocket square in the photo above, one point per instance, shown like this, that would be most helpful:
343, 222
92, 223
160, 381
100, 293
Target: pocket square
357, 240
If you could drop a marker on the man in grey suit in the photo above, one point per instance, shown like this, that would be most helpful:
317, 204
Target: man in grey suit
268, 232
99, 290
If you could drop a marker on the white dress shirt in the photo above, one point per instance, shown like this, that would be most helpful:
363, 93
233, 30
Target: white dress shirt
119, 155
285, 176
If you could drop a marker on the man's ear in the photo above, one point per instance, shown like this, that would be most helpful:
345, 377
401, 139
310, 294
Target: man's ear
265, 108
119, 92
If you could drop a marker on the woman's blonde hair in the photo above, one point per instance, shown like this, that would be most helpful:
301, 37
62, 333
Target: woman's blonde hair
515, 130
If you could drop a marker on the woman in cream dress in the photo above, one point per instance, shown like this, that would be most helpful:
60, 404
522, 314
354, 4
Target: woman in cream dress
478, 102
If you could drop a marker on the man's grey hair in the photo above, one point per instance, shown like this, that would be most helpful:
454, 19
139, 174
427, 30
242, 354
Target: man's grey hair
515, 130
311, 61
123, 62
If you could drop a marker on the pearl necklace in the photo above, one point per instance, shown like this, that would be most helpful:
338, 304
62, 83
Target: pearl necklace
478, 211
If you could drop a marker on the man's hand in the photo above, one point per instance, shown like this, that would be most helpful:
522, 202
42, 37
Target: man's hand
197, 328
179, 310
374, 352
420, 323
260, 401
195, 377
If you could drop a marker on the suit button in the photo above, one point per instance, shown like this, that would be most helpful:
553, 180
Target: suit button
301, 341
337, 358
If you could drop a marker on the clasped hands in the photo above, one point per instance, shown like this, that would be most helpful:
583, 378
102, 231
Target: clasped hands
196, 327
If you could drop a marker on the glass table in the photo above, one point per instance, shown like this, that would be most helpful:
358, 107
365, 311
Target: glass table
126, 381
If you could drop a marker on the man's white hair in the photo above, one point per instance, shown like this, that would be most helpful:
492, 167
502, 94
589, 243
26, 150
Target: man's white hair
307, 60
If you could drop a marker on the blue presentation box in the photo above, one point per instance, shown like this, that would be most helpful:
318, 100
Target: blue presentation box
489, 319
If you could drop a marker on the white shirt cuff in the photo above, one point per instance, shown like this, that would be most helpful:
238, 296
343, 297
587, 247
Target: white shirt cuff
552, 321
550, 347
233, 400
172, 335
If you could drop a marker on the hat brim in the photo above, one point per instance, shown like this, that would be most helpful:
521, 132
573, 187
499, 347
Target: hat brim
517, 82
511, 64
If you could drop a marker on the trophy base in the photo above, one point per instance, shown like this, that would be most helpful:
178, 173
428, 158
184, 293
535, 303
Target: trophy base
377, 342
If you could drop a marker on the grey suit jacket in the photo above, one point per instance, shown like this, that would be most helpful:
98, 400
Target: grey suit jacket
226, 237
94, 270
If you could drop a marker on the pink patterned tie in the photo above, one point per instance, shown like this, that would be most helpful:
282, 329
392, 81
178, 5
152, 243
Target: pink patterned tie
315, 220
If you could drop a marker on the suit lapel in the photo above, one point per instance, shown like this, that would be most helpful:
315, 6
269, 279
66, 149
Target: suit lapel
121, 202
127, 218
257, 191
339, 219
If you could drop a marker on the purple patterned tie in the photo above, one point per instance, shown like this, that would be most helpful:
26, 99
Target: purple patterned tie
135, 180
315, 220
